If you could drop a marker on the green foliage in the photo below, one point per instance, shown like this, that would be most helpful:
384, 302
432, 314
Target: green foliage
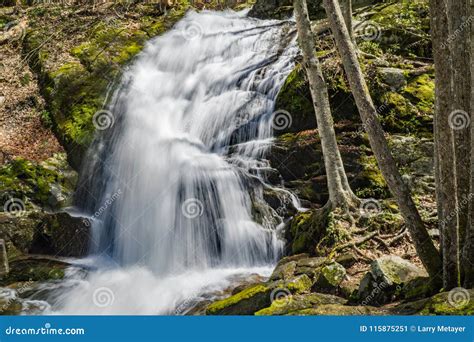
30, 181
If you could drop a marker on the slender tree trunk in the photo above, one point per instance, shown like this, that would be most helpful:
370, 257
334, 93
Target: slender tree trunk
468, 251
444, 145
459, 33
426, 250
340, 194
347, 12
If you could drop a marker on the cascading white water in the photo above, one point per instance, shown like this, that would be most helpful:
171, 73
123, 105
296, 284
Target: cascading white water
193, 120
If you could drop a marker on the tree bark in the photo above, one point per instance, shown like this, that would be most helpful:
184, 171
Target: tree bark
347, 12
444, 145
425, 248
340, 194
458, 13
468, 250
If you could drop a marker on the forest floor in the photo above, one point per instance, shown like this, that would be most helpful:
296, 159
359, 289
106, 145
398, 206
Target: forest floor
22, 131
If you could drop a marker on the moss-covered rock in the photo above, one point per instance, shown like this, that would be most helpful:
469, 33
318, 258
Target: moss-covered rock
49, 184
31, 269
338, 310
329, 278
384, 282
257, 297
455, 302
299, 302
306, 230
43, 233
417, 288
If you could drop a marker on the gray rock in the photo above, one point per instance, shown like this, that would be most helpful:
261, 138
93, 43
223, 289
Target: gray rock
393, 77
284, 271
385, 280
300, 302
45, 233
329, 278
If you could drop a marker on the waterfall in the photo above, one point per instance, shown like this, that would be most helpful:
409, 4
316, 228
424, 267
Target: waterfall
171, 183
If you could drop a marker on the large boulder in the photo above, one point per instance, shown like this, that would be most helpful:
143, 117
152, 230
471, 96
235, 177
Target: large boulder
25, 185
33, 269
35, 232
329, 278
61, 234
393, 77
290, 304
385, 280
338, 310
298, 264
257, 297
458, 301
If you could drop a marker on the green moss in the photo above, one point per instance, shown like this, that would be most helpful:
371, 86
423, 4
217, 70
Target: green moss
306, 229
239, 297
34, 270
298, 302
444, 304
76, 90
299, 284
31, 182
404, 27
295, 98
422, 89
333, 273
372, 184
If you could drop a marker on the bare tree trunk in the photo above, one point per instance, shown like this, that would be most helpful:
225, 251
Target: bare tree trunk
458, 12
468, 250
347, 12
444, 145
340, 194
426, 250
